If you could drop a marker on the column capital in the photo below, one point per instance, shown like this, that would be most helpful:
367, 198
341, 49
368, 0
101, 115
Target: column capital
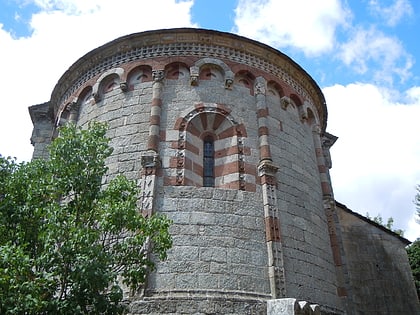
266, 167
158, 75
150, 162
260, 86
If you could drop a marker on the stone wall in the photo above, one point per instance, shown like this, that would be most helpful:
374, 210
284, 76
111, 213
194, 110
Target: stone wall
269, 228
379, 276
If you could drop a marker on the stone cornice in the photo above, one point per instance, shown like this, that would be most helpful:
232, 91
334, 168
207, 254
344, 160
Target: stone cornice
189, 42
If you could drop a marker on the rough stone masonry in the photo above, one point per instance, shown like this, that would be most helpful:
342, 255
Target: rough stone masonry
227, 137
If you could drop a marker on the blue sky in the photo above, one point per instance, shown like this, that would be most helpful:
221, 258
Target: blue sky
364, 54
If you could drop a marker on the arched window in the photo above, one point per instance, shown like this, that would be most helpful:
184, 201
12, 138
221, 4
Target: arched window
208, 161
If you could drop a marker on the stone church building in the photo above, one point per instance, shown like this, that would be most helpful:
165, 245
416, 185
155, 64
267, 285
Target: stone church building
227, 137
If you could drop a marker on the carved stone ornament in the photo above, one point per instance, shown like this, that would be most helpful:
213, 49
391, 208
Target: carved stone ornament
284, 102
124, 86
228, 83
194, 73
158, 75
266, 167
150, 160
260, 88
96, 97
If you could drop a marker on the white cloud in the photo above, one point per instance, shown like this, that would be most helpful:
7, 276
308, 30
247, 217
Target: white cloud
306, 25
369, 49
376, 160
393, 13
31, 66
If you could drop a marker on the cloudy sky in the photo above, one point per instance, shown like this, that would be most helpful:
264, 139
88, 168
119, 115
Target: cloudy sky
364, 54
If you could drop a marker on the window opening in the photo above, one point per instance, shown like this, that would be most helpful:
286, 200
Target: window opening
208, 162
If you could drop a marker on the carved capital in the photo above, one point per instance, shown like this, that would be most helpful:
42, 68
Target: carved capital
150, 162
96, 97
72, 107
194, 73
316, 129
124, 86
158, 75
259, 88
285, 102
266, 167
229, 80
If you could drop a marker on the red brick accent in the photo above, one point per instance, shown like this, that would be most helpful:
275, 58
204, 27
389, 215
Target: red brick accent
318, 152
341, 291
196, 168
223, 109
191, 128
154, 120
269, 180
262, 131
191, 148
218, 120
226, 169
173, 162
265, 152
162, 135
322, 168
227, 133
156, 102
336, 252
250, 169
262, 112
199, 107
231, 151
326, 190
241, 130
188, 164
203, 119
180, 124
231, 185
272, 229
153, 143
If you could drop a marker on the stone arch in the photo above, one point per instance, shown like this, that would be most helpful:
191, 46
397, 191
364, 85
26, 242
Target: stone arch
303, 114
274, 93
211, 72
274, 90
176, 71
246, 79
215, 121
211, 69
311, 119
137, 75
107, 82
296, 100
85, 96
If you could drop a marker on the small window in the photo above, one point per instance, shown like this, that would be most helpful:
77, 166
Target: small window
208, 162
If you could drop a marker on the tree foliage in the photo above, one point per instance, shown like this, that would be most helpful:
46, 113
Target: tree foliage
413, 252
417, 203
66, 239
389, 223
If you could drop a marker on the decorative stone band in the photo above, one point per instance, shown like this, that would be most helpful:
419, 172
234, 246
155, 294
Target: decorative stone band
189, 42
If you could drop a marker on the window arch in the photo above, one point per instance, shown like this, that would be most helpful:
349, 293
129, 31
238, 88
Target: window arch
210, 150
208, 161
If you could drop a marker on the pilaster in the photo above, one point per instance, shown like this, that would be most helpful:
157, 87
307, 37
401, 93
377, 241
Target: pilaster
155, 110
267, 172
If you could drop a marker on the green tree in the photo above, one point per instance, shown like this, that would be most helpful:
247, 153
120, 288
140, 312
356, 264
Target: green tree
389, 223
417, 203
66, 239
413, 252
